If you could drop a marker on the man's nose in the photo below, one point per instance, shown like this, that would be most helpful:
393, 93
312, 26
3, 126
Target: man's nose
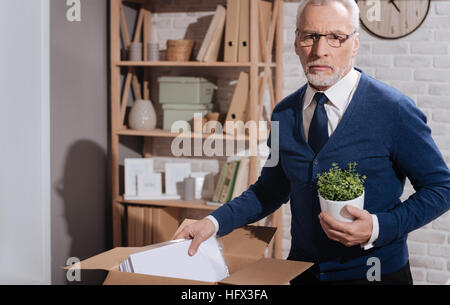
321, 47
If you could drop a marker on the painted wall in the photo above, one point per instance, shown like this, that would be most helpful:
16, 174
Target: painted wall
25, 143
79, 135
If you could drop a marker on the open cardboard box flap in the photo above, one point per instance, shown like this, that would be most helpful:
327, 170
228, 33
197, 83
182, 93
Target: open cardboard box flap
243, 250
267, 271
125, 278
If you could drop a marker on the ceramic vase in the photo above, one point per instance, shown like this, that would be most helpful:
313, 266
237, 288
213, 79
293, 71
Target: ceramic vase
142, 115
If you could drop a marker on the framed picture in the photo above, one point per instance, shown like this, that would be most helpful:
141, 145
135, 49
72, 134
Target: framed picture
133, 168
149, 185
175, 173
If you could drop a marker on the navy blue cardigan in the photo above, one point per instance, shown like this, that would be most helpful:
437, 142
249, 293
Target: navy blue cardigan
387, 135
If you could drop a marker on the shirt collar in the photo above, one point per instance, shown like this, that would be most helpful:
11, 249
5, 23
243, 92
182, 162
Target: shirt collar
337, 94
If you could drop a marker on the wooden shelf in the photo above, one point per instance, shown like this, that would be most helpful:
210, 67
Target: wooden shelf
189, 64
167, 134
139, 79
199, 204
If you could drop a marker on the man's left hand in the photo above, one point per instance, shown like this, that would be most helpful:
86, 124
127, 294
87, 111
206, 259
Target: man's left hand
348, 233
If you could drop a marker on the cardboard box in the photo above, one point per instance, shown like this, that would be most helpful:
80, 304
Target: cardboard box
243, 250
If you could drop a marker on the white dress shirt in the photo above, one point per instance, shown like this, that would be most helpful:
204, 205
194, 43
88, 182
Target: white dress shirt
339, 97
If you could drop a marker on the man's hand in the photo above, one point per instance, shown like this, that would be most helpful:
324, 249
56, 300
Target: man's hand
199, 231
348, 233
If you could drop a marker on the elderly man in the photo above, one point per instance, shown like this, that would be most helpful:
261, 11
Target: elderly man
342, 115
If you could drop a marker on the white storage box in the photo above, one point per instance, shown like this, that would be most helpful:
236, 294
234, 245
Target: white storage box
182, 112
185, 90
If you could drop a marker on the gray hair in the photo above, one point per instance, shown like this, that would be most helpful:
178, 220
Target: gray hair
349, 4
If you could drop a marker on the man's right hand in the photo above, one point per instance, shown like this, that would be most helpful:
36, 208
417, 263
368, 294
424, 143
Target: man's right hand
198, 231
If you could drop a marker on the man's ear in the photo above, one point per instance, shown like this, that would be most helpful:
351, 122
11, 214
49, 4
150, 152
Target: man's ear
296, 47
355, 45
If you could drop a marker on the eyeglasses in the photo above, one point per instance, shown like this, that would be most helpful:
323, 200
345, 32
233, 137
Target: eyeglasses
307, 39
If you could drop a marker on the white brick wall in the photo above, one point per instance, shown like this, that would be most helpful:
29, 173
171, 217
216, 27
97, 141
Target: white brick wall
418, 65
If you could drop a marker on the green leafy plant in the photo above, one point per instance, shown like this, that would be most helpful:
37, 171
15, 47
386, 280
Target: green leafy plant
341, 185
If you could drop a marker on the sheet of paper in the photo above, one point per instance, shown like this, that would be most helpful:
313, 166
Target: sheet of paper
172, 260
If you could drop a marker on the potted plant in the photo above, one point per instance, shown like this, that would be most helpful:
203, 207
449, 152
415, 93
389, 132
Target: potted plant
338, 188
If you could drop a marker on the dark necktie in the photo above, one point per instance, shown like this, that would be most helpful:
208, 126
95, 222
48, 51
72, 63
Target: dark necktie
318, 130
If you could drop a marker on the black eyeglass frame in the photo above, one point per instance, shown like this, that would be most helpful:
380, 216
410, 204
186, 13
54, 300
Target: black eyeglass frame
317, 37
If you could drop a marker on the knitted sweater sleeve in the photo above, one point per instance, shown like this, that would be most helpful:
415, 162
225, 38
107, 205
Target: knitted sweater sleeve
265, 196
418, 158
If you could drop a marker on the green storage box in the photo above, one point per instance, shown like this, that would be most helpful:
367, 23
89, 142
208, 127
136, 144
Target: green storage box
185, 90
182, 112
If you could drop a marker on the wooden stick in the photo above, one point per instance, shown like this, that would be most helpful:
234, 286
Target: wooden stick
125, 95
147, 39
267, 62
262, 89
263, 41
263, 44
267, 77
253, 100
125, 33
137, 33
279, 94
147, 151
147, 31
127, 42
272, 95
136, 86
117, 208
137, 37
273, 26
279, 56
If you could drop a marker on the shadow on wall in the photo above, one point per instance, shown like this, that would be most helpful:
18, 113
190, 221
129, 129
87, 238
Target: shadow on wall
87, 214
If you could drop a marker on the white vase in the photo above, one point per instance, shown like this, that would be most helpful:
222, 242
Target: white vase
336, 208
142, 115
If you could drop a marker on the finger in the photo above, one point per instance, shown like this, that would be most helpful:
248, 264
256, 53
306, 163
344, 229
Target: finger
324, 225
181, 235
341, 238
334, 223
354, 211
332, 234
326, 229
194, 245
184, 234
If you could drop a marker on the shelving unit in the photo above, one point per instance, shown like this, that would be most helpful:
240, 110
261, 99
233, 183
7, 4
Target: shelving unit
189, 64
117, 107
167, 134
195, 204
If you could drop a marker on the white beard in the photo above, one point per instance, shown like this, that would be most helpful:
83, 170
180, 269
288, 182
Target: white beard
319, 79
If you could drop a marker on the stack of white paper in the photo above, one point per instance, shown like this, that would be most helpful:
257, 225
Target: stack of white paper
171, 259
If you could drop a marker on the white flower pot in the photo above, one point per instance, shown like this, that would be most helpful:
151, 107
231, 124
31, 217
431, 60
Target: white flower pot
336, 208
